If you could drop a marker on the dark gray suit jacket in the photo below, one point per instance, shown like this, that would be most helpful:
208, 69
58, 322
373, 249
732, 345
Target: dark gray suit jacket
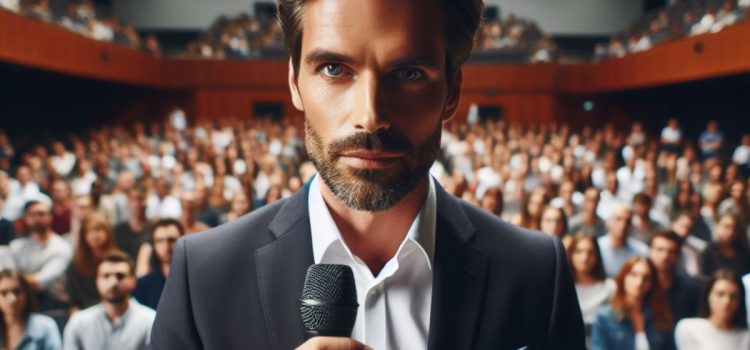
495, 286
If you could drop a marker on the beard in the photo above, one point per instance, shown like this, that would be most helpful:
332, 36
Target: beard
373, 190
115, 297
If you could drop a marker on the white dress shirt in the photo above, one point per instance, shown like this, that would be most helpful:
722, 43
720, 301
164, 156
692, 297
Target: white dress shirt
394, 306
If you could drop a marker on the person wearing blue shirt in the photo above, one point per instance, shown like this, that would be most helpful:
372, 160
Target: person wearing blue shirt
711, 140
22, 329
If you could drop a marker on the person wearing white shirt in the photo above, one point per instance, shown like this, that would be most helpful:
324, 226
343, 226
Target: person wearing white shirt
671, 136
723, 321
42, 256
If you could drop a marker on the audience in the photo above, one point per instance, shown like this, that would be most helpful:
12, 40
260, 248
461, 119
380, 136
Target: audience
639, 316
722, 324
617, 186
118, 322
681, 18
84, 18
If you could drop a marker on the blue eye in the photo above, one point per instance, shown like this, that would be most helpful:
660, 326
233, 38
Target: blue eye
409, 74
332, 70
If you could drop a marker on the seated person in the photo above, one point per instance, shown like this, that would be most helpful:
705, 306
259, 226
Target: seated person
118, 322
164, 235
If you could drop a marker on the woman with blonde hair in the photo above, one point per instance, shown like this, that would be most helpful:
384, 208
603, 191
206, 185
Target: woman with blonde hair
639, 317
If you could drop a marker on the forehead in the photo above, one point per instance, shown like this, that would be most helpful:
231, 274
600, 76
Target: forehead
113, 267
380, 29
641, 268
661, 242
166, 231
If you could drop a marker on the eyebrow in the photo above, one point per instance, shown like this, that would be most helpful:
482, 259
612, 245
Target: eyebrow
322, 55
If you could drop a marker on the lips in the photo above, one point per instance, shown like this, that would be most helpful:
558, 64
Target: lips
373, 155
366, 159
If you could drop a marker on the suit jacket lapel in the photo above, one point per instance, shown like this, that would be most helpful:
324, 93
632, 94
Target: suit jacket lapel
458, 279
282, 266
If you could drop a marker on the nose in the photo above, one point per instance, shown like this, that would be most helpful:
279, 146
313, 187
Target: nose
367, 114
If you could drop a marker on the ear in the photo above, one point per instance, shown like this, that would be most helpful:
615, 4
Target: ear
293, 89
454, 96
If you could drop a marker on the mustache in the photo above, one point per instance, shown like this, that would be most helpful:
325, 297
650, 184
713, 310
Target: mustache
387, 141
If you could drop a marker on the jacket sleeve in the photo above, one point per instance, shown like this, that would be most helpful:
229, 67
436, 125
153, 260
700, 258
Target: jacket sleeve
566, 329
174, 326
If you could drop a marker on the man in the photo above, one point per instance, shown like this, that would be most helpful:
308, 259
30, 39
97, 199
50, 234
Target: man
617, 247
376, 80
683, 291
62, 206
587, 221
117, 322
643, 226
42, 256
134, 232
164, 235
711, 141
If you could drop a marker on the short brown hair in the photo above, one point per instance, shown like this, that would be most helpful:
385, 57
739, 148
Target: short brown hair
118, 256
461, 20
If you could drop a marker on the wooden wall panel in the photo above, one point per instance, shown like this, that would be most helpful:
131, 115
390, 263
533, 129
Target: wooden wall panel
217, 89
46, 46
688, 59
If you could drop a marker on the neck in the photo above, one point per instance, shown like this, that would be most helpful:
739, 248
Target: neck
584, 278
165, 269
114, 311
665, 279
41, 237
12, 319
375, 237
137, 221
720, 322
634, 304
618, 241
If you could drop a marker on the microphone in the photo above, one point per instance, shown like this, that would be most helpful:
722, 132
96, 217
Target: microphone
329, 301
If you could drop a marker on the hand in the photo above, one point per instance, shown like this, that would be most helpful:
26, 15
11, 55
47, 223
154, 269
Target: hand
332, 343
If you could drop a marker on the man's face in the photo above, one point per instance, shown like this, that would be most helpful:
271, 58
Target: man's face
373, 87
38, 218
60, 192
618, 223
664, 253
165, 239
114, 281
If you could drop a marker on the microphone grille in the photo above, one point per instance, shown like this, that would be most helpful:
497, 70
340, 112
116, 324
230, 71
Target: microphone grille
329, 300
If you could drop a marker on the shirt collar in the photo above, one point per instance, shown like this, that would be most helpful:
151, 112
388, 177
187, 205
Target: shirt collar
326, 234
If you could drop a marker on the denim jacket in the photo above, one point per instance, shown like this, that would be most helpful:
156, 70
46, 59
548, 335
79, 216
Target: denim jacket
41, 333
611, 332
